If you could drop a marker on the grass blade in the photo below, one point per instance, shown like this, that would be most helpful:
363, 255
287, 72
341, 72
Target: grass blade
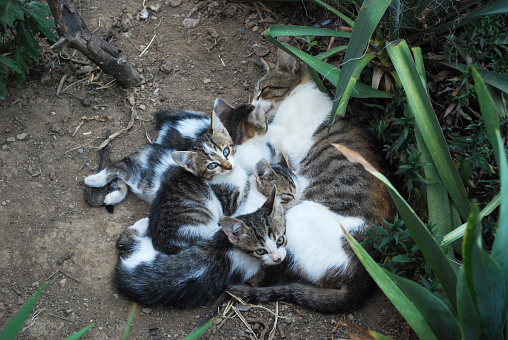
14, 326
368, 18
127, 330
484, 280
428, 246
79, 333
426, 120
328, 71
435, 312
460, 231
500, 247
341, 109
468, 317
334, 11
392, 292
198, 332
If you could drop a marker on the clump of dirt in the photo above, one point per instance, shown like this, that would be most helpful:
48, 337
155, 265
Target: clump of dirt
49, 232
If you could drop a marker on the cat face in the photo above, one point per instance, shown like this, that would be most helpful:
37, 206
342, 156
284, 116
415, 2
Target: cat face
261, 234
211, 155
279, 176
277, 83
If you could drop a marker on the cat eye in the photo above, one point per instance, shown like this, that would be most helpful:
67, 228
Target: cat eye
261, 251
226, 151
285, 198
212, 166
280, 241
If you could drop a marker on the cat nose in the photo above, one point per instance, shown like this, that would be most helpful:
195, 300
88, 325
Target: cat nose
276, 257
227, 166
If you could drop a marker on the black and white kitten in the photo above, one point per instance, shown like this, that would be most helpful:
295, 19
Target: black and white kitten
196, 275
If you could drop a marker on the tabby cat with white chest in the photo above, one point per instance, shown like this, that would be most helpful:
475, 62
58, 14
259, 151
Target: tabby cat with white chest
196, 275
321, 272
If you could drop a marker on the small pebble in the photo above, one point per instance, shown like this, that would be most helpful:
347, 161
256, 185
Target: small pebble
207, 81
143, 14
142, 107
190, 23
11, 139
80, 150
22, 136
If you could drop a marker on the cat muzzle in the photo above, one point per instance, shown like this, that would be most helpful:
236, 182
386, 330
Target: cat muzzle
226, 166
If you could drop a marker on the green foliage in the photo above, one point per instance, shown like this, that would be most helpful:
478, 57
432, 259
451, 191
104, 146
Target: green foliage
20, 23
13, 327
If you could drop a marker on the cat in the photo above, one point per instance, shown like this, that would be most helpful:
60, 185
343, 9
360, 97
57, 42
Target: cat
321, 271
197, 274
146, 168
190, 200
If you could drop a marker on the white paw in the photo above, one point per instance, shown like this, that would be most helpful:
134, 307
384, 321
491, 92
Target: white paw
115, 197
140, 226
98, 180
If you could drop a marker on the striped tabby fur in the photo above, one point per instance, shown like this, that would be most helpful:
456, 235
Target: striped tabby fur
198, 274
320, 272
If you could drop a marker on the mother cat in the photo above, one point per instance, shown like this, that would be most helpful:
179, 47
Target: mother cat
320, 272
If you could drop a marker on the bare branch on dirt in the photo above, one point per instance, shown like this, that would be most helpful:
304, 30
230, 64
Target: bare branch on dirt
74, 33
122, 131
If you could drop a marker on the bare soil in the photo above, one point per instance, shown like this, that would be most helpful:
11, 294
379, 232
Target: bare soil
47, 230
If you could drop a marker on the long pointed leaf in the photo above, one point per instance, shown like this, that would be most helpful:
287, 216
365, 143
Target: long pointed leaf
392, 292
484, 279
368, 19
14, 326
198, 332
429, 126
500, 247
435, 312
468, 317
79, 333
460, 231
328, 71
428, 246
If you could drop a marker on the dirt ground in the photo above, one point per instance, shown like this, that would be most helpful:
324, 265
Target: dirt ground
47, 230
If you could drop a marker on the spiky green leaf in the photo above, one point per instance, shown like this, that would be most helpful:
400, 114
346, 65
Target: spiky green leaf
10, 11
14, 326
80, 333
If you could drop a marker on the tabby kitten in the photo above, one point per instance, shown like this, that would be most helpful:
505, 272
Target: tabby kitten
321, 272
147, 167
198, 274
192, 199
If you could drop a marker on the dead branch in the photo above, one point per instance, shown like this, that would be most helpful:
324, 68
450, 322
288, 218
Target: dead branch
74, 33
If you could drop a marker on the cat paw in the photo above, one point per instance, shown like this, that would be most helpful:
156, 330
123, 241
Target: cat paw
115, 197
128, 239
97, 180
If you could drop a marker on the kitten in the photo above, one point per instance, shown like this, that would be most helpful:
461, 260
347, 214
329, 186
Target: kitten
321, 272
192, 199
147, 167
198, 274
294, 106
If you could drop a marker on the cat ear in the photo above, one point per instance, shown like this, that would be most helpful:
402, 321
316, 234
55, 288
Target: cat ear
267, 65
272, 205
284, 161
263, 170
185, 160
216, 126
271, 201
257, 118
221, 108
287, 62
233, 228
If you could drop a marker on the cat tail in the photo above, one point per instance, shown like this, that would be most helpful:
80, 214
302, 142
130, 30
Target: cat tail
350, 296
